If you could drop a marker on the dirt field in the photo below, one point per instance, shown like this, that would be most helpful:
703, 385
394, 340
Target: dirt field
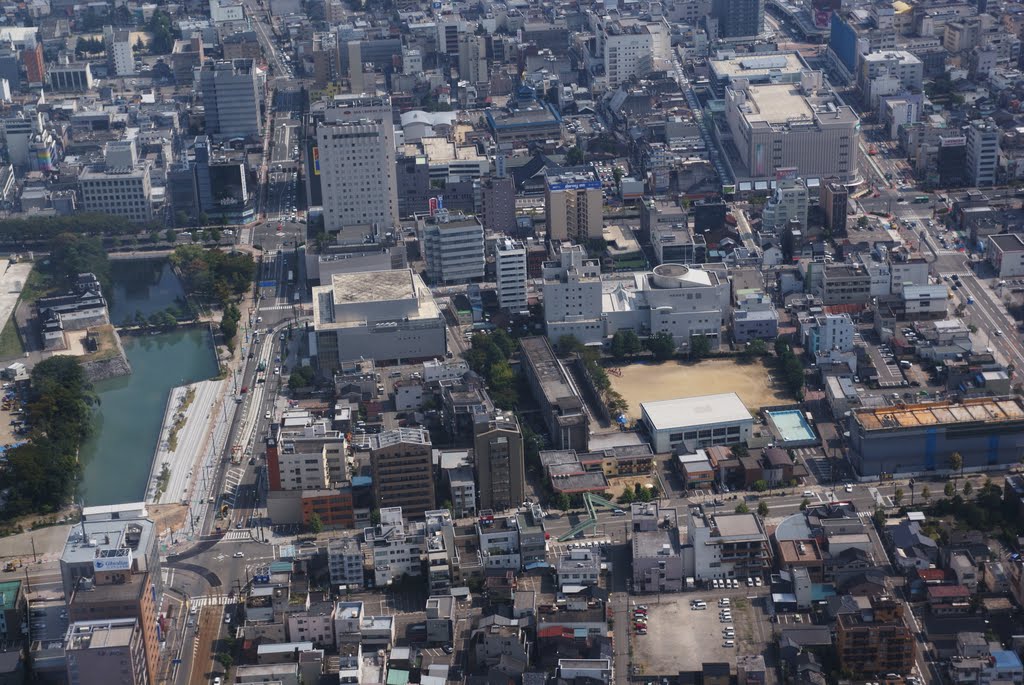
616, 486
670, 380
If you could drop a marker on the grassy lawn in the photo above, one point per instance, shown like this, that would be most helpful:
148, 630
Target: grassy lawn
36, 285
10, 343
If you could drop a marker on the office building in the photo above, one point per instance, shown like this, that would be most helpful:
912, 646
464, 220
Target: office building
121, 186
913, 438
738, 18
573, 204
232, 98
403, 470
345, 562
781, 126
876, 638
35, 64
572, 296
693, 423
982, 152
379, 315
106, 651
498, 205
951, 161
727, 545
222, 189
355, 160
472, 58
561, 406
510, 273
757, 68
75, 77
787, 204
824, 332
1006, 254
453, 246
907, 69
834, 200
500, 464
186, 56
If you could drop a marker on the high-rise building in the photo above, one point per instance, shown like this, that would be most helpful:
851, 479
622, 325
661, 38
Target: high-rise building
121, 186
106, 651
498, 200
738, 18
573, 204
472, 58
982, 152
510, 272
232, 98
403, 470
325, 58
500, 464
630, 47
118, 43
834, 199
355, 160
876, 639
453, 247
951, 160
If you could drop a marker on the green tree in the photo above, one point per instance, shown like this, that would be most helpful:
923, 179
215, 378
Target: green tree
956, 463
897, 496
762, 509
567, 344
315, 523
804, 503
926, 494
949, 490
169, 235
72, 254
742, 508
760, 485
618, 345
627, 497
562, 502
374, 516
161, 33
574, 156
968, 488
879, 517
662, 345
700, 347
225, 660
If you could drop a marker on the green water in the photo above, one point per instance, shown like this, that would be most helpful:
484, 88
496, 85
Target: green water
116, 460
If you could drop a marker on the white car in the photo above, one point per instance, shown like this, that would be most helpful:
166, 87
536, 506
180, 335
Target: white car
267, 415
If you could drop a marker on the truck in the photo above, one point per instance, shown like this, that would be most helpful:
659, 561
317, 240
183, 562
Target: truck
261, 367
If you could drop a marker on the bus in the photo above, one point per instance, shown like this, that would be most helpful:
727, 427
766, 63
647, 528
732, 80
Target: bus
921, 199
291, 276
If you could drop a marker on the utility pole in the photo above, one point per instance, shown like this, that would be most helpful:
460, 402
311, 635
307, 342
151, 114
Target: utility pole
33, 540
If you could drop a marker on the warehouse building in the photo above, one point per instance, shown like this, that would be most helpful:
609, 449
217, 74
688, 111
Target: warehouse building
987, 432
691, 423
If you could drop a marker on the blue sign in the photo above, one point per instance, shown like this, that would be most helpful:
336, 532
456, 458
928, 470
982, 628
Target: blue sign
578, 185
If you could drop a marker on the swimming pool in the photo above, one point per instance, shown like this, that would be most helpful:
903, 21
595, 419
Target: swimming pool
791, 427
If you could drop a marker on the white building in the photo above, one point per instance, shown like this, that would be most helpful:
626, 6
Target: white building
379, 315
119, 49
572, 296
982, 152
356, 152
499, 543
573, 204
907, 68
345, 562
1006, 254
453, 247
302, 470
802, 126
825, 332
685, 301
727, 545
695, 422
788, 202
631, 47
397, 547
510, 270
315, 624
348, 621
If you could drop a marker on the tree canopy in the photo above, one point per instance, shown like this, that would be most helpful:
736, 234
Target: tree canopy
217, 275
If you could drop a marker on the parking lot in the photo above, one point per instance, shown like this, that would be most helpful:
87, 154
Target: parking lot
670, 616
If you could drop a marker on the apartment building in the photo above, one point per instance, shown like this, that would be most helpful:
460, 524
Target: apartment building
573, 202
403, 470
982, 152
510, 273
345, 562
572, 296
727, 545
106, 651
876, 639
500, 462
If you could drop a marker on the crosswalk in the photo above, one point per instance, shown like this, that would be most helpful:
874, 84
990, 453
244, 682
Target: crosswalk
231, 483
237, 535
208, 601
807, 452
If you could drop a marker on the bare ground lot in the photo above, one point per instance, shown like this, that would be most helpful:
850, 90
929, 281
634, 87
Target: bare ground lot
754, 382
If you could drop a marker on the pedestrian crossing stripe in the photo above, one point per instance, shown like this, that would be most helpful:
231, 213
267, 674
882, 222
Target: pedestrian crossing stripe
237, 535
208, 601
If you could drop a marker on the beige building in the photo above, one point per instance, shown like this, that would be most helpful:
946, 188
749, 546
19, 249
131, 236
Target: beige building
573, 204
105, 652
802, 125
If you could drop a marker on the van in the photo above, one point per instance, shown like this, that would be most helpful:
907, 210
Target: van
700, 606
808, 493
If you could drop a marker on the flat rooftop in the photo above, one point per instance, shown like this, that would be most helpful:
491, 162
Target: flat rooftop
545, 365
373, 286
102, 537
100, 634
993, 410
703, 410
777, 104
756, 65
738, 525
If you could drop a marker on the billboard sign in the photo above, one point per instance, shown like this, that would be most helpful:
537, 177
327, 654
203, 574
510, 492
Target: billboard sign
122, 562
577, 185
316, 161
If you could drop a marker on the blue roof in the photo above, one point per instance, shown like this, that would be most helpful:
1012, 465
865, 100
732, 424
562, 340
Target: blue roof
1006, 659
361, 481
